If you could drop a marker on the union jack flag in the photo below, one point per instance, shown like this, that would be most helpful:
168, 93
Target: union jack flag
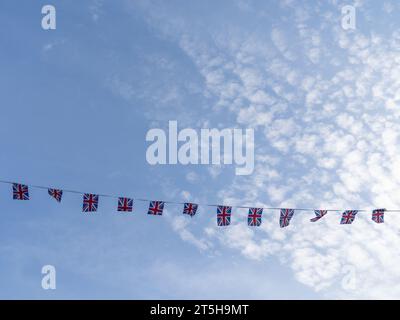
286, 216
190, 209
90, 202
378, 215
156, 208
20, 192
125, 204
224, 215
56, 194
254, 217
348, 216
319, 214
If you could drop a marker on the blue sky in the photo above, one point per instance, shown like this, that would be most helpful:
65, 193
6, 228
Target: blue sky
77, 102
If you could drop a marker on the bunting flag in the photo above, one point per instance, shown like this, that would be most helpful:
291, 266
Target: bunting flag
285, 217
190, 209
20, 192
254, 217
125, 204
156, 208
90, 202
56, 194
348, 216
378, 215
319, 214
224, 215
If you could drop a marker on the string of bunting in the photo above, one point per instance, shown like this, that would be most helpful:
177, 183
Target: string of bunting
90, 203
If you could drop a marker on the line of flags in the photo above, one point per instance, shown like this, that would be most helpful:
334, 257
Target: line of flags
90, 203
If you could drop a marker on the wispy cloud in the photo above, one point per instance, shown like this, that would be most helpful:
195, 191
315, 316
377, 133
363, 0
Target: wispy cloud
327, 113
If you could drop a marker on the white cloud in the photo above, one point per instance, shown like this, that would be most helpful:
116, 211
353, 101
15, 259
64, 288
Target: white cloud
327, 108
179, 225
